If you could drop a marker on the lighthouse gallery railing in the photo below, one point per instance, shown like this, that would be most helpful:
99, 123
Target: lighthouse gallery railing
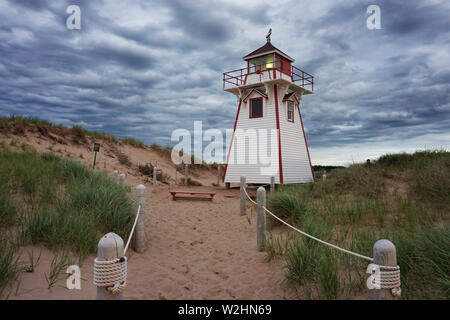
238, 77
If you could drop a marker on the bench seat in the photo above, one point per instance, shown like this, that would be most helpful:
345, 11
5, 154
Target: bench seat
193, 195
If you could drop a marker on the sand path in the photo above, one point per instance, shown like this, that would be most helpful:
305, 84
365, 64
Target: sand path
195, 250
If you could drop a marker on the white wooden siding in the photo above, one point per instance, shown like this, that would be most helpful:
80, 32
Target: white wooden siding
295, 162
252, 172
294, 154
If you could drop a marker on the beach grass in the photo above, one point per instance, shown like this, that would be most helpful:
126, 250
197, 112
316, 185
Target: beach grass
57, 202
401, 197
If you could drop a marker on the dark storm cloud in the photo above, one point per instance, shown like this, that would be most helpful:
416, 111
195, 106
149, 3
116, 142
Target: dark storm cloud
145, 68
193, 18
413, 17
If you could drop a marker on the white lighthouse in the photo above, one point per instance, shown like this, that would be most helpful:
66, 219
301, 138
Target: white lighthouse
269, 91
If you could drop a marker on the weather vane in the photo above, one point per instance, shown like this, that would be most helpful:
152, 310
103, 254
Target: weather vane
268, 35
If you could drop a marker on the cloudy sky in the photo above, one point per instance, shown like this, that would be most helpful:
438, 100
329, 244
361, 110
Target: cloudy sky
146, 68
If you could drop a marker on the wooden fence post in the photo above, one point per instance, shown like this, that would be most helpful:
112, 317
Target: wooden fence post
186, 174
116, 175
122, 178
384, 254
272, 184
219, 171
109, 247
154, 179
261, 218
324, 176
140, 238
243, 196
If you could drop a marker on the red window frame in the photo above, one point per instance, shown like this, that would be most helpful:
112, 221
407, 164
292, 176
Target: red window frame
287, 111
250, 107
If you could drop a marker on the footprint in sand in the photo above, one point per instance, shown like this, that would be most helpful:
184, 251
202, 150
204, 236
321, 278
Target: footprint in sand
221, 275
197, 242
185, 269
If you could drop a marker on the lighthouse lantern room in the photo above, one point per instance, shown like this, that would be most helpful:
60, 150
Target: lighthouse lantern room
269, 91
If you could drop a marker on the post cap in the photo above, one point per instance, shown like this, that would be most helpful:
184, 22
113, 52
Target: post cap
261, 189
110, 246
384, 252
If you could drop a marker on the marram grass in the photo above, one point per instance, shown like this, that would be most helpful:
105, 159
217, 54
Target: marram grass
57, 202
401, 197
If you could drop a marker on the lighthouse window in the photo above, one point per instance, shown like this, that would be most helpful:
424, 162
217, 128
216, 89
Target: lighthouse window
256, 108
290, 111
262, 63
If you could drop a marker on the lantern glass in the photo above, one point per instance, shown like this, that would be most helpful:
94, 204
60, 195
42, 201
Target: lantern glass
261, 63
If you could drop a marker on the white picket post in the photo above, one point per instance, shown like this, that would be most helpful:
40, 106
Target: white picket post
109, 247
154, 179
261, 218
186, 174
384, 254
140, 236
243, 196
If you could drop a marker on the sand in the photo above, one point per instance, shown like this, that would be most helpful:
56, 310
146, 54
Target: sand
195, 249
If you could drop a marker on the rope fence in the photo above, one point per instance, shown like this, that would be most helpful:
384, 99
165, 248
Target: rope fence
132, 229
251, 200
317, 239
110, 265
385, 273
112, 274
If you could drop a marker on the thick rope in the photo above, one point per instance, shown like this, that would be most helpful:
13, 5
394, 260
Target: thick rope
388, 278
132, 229
389, 275
318, 240
113, 273
245, 190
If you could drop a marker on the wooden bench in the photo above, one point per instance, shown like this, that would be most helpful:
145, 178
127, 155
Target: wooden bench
199, 195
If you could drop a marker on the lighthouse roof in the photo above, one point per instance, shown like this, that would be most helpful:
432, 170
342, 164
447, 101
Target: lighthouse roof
266, 49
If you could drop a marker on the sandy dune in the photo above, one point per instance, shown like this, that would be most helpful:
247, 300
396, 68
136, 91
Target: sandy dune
195, 249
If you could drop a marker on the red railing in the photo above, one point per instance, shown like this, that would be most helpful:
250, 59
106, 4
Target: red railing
238, 77
305, 78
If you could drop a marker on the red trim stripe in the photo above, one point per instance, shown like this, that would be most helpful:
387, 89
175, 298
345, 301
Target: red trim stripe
231, 143
274, 70
306, 142
280, 163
